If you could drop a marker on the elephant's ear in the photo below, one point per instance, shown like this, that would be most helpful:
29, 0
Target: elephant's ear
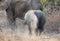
4, 4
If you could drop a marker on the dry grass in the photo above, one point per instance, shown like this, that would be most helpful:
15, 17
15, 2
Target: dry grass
8, 35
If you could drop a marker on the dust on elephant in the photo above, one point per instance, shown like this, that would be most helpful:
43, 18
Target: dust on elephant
35, 19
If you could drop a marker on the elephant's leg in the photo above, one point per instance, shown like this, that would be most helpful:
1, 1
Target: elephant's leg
11, 18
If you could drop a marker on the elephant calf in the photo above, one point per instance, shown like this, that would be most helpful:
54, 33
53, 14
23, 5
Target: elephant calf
35, 19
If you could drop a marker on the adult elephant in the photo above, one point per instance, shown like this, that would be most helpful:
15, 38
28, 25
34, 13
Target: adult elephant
18, 8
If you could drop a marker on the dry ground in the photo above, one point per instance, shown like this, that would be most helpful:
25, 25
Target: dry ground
21, 32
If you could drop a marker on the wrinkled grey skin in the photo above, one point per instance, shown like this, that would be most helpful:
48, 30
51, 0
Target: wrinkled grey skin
4, 4
18, 8
36, 5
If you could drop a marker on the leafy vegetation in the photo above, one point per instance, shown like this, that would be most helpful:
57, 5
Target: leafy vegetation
51, 2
